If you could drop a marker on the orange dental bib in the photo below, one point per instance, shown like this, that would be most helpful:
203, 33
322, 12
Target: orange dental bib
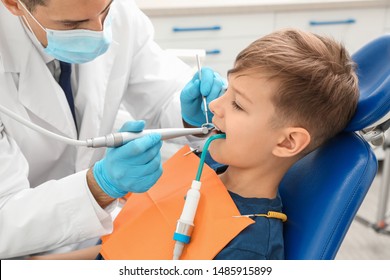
145, 226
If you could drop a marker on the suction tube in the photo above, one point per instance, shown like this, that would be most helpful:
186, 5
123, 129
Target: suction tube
185, 224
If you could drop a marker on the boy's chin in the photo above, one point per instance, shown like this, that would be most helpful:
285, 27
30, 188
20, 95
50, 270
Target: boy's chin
215, 153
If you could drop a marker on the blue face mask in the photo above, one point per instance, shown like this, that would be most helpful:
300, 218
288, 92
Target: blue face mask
79, 45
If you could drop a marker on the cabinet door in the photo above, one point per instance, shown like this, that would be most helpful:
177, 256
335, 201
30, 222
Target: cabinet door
212, 26
387, 22
221, 36
220, 53
353, 27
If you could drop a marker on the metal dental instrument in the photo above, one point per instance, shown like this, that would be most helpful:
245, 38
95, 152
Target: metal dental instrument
110, 140
120, 138
203, 97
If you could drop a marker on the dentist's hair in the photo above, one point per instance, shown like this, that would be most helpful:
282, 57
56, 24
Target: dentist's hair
31, 4
318, 86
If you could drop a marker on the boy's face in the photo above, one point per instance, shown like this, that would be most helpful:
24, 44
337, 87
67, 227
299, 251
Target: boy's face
245, 113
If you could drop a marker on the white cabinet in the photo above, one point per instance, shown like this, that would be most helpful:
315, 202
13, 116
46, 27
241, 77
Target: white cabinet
387, 22
353, 27
221, 36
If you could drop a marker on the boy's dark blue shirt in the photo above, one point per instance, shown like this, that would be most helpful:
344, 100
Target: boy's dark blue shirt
261, 240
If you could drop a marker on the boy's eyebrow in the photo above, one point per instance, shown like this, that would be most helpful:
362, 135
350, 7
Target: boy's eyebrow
85, 20
243, 95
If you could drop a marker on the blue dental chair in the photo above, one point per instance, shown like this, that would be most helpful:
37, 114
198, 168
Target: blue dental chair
323, 191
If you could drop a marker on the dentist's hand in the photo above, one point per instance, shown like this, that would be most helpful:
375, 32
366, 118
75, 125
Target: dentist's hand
134, 167
211, 86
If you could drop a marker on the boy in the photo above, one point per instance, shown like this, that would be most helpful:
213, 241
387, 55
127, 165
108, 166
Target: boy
288, 93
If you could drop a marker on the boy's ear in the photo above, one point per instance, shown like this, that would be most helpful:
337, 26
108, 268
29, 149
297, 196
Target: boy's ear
292, 142
13, 6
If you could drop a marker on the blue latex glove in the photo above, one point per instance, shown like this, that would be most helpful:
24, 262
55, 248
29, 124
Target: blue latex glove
211, 86
134, 167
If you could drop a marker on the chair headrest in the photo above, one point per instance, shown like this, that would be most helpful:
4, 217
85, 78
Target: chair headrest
373, 69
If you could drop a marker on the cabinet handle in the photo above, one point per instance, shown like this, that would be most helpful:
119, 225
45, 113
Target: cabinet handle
346, 21
213, 52
189, 29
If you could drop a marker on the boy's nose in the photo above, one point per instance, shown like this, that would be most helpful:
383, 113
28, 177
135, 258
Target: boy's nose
211, 106
215, 107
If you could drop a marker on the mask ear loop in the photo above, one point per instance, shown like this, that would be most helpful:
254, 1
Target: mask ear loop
30, 14
28, 24
32, 32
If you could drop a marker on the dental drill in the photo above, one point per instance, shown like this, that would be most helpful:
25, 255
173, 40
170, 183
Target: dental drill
113, 139
120, 138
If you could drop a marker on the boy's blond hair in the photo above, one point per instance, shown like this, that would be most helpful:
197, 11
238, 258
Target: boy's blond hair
318, 87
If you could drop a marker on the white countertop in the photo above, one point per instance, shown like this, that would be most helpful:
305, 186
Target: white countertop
196, 7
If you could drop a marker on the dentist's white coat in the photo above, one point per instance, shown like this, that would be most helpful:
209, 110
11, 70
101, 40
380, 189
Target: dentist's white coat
44, 200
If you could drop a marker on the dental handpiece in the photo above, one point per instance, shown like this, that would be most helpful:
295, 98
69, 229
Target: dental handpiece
110, 140
119, 138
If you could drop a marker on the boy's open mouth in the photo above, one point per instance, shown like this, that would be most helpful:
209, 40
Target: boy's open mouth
218, 131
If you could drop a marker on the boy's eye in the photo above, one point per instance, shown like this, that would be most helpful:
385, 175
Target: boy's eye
236, 106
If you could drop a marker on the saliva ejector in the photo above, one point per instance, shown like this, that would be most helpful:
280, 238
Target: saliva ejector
185, 224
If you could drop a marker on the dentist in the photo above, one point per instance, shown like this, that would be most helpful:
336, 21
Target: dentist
68, 66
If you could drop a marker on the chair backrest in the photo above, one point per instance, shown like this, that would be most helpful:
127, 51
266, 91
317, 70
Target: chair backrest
323, 191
